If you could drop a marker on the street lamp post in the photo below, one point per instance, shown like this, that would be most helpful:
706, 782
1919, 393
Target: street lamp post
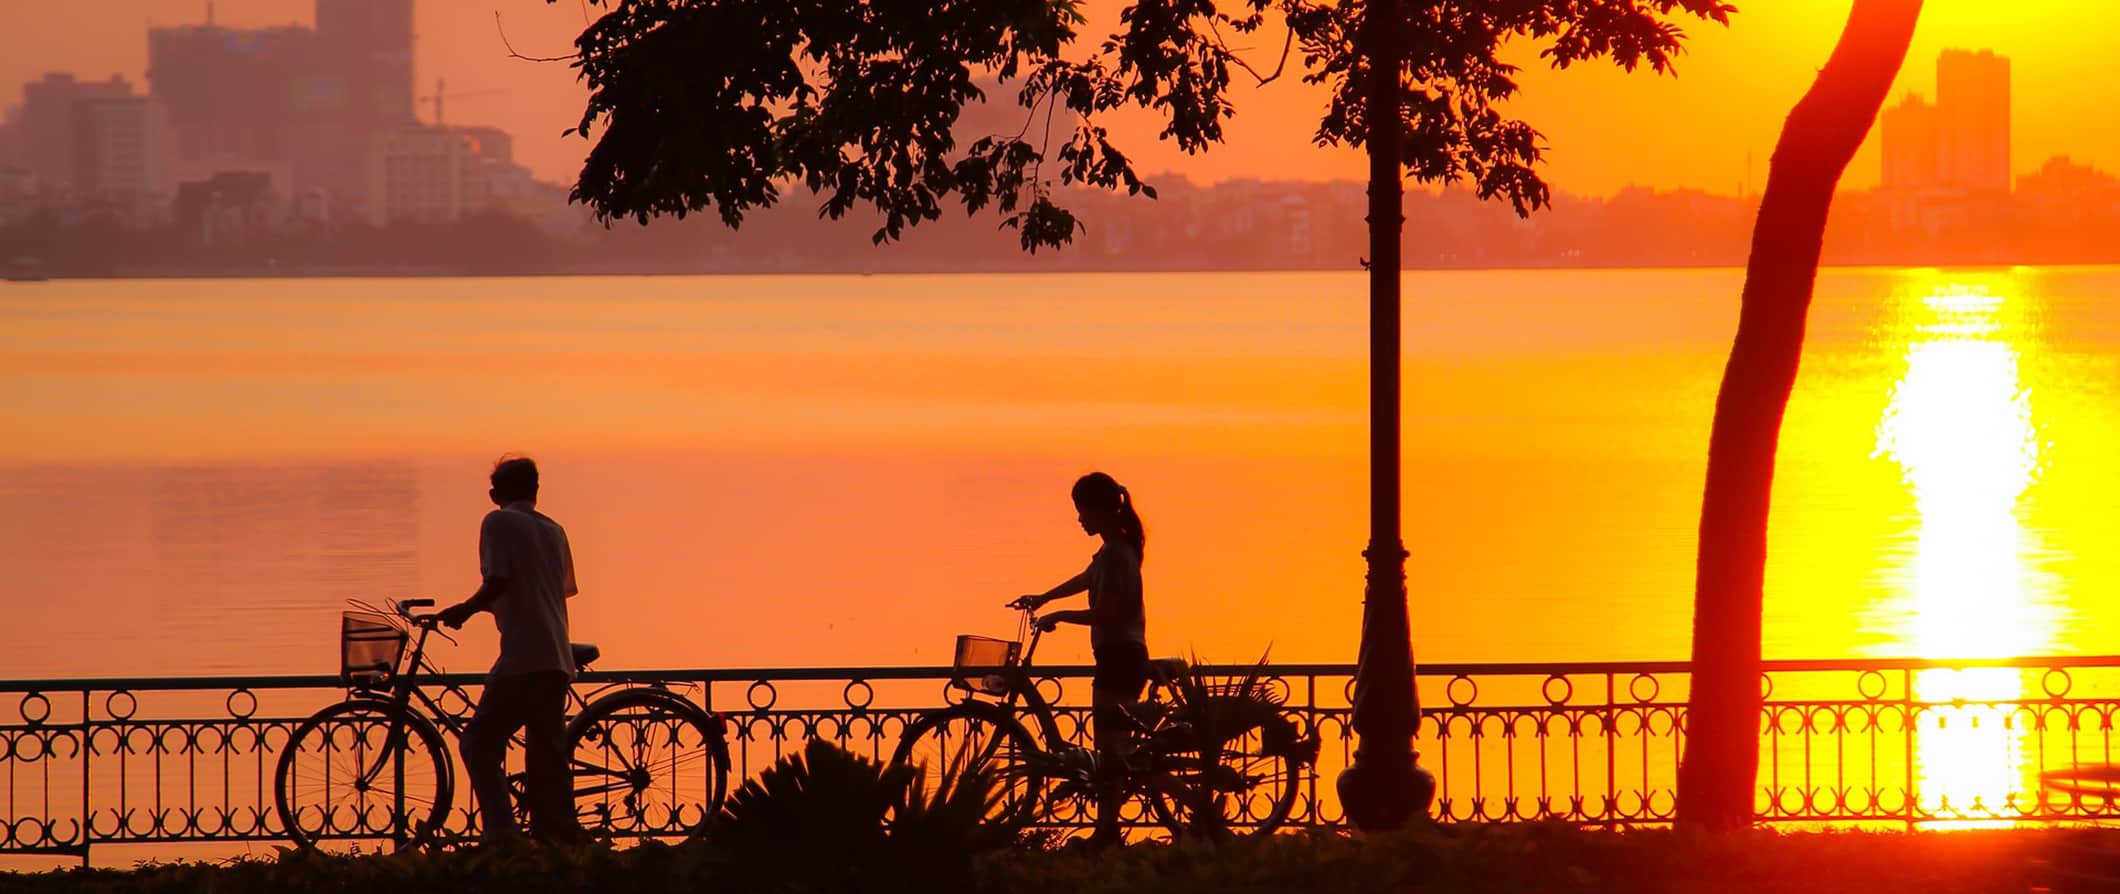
1384, 786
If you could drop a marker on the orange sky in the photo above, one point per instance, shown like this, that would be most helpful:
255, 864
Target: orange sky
1606, 130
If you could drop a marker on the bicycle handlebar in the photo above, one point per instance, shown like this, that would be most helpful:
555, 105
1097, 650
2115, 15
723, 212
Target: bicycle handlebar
429, 621
1030, 614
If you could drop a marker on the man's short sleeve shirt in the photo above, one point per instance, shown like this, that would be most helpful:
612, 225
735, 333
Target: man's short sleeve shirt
529, 552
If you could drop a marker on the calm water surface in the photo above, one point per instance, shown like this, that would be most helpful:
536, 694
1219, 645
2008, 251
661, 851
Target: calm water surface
850, 470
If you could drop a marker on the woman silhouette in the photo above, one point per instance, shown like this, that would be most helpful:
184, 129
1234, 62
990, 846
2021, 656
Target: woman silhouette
1118, 628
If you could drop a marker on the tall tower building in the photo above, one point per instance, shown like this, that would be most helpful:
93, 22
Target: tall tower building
1973, 94
368, 43
1962, 142
364, 49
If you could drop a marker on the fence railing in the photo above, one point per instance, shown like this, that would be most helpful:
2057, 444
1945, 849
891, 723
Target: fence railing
90, 763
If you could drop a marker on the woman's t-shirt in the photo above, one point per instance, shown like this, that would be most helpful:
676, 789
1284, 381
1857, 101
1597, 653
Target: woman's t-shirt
1117, 614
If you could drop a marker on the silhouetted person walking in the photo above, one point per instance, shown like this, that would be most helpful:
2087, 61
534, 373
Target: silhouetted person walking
528, 573
1118, 629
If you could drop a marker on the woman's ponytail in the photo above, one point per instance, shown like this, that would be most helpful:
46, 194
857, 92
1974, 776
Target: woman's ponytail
1135, 533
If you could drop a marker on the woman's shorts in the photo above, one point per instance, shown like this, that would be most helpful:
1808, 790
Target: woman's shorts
1122, 670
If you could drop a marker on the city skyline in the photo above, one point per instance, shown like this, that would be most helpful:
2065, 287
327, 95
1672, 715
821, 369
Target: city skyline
332, 161
1714, 124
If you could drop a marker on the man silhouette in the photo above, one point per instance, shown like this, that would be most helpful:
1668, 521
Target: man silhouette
527, 571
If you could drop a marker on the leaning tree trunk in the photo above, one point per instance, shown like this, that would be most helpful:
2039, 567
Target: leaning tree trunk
1721, 765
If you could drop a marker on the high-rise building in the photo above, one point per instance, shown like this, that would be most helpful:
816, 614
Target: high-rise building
422, 174
11, 137
233, 93
1973, 95
417, 175
1960, 143
313, 97
47, 124
1912, 146
121, 151
364, 52
368, 44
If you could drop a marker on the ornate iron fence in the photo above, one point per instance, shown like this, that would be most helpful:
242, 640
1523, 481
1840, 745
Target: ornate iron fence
93, 763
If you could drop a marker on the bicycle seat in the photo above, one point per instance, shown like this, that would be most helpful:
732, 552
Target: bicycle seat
1169, 670
584, 653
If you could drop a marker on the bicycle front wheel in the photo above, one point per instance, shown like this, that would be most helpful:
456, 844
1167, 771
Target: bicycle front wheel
946, 744
363, 770
647, 762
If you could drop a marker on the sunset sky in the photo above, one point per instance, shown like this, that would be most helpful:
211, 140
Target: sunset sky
1712, 127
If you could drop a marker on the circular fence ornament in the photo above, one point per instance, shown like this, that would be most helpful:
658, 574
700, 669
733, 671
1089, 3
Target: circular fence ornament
1462, 691
35, 709
1871, 684
111, 705
2056, 682
758, 702
242, 703
1566, 690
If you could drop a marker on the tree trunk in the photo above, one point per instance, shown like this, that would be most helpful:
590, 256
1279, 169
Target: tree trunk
1721, 766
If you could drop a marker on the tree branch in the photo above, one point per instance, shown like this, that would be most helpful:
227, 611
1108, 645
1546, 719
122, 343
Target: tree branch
1223, 45
515, 55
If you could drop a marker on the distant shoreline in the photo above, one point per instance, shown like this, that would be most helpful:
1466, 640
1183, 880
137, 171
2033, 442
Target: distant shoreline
574, 271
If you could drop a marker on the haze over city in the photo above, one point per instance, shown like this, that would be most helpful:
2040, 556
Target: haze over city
399, 137
1710, 128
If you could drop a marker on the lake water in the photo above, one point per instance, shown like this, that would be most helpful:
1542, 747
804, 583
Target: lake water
850, 470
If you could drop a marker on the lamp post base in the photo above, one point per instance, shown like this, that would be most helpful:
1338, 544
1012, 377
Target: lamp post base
1383, 791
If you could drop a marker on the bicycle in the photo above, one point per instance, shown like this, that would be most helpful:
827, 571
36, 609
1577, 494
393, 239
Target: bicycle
1205, 758
645, 760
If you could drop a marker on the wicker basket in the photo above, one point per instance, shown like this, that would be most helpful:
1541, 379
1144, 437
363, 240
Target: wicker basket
980, 660
370, 647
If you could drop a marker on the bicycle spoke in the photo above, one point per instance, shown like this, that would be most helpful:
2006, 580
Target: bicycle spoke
635, 765
359, 771
605, 789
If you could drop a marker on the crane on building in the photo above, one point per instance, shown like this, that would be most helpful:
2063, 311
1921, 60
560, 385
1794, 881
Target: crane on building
441, 94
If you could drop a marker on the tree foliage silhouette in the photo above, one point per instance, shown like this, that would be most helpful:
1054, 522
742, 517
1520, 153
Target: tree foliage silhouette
701, 104
1721, 764
722, 104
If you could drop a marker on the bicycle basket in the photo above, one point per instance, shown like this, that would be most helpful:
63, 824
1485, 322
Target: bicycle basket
369, 647
980, 660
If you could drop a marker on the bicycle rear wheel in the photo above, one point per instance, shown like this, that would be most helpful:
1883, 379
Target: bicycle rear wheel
943, 745
647, 762
363, 769
1242, 776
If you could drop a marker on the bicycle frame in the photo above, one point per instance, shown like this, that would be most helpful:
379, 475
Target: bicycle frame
1021, 683
408, 684
416, 726
407, 680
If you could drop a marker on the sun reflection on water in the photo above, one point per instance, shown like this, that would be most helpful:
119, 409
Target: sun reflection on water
1961, 427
